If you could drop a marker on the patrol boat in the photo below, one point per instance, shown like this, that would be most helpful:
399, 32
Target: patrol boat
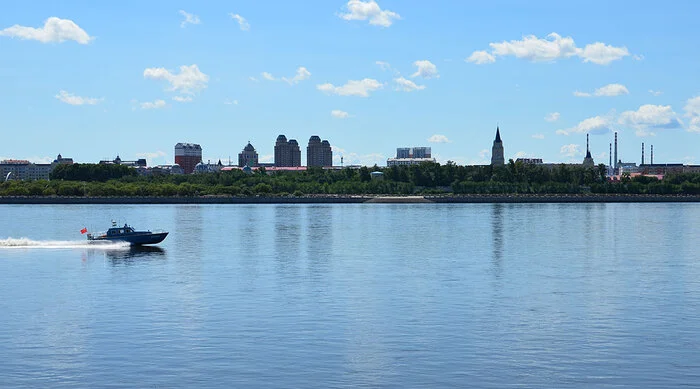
128, 234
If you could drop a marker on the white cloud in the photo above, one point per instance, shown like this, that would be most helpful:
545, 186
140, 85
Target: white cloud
153, 105
230, 102
33, 159
552, 117
54, 30
152, 155
607, 90
189, 80
405, 85
267, 158
369, 10
301, 75
481, 57
336, 113
189, 19
361, 88
438, 139
242, 23
70, 98
485, 153
612, 90
602, 54
570, 150
538, 136
655, 92
535, 49
548, 49
692, 111
426, 69
352, 158
593, 125
183, 99
650, 117
521, 154
383, 65
251, 78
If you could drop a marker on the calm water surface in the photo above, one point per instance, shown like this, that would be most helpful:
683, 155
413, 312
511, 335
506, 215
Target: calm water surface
318, 296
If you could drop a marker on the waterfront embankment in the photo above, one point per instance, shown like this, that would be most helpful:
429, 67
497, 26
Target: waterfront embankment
369, 199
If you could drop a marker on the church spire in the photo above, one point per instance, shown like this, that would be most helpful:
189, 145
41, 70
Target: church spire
497, 150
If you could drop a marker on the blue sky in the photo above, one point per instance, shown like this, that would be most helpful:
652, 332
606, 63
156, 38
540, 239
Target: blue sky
92, 80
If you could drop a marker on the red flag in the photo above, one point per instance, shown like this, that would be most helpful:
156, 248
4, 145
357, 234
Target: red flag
84, 230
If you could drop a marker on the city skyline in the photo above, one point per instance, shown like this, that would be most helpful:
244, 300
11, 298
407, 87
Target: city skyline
368, 76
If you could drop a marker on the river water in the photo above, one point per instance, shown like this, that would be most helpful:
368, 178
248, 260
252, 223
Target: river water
357, 295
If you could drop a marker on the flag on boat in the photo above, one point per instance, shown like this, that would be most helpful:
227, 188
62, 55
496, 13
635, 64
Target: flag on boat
84, 230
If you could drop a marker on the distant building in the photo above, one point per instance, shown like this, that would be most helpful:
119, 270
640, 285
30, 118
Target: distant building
167, 169
529, 161
14, 169
248, 157
63, 161
588, 160
497, 158
287, 153
188, 155
420, 152
377, 176
410, 156
208, 167
141, 162
318, 153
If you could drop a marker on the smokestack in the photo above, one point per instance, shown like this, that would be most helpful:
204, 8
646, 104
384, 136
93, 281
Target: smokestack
616, 150
642, 153
587, 149
652, 154
610, 155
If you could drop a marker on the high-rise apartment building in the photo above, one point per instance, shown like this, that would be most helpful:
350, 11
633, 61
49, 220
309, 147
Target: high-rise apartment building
318, 153
248, 157
188, 155
410, 156
287, 153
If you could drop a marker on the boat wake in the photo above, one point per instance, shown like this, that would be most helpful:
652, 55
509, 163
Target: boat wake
26, 243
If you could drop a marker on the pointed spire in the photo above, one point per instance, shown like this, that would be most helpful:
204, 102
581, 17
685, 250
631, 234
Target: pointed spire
498, 134
588, 150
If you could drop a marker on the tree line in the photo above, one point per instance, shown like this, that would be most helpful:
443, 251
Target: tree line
427, 178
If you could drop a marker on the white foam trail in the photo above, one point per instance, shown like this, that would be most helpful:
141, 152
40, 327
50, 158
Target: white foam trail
26, 243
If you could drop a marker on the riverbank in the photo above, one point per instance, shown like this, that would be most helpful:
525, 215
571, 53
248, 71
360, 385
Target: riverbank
338, 199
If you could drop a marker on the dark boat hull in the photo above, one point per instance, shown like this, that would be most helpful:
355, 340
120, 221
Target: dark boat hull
134, 239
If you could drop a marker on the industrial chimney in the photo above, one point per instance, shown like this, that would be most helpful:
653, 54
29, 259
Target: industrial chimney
616, 152
642, 153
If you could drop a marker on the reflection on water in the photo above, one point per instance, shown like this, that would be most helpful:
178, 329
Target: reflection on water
497, 234
128, 255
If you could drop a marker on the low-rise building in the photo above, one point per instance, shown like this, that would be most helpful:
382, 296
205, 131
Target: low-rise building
141, 162
15, 169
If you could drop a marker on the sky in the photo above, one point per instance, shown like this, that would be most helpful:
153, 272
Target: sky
93, 80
